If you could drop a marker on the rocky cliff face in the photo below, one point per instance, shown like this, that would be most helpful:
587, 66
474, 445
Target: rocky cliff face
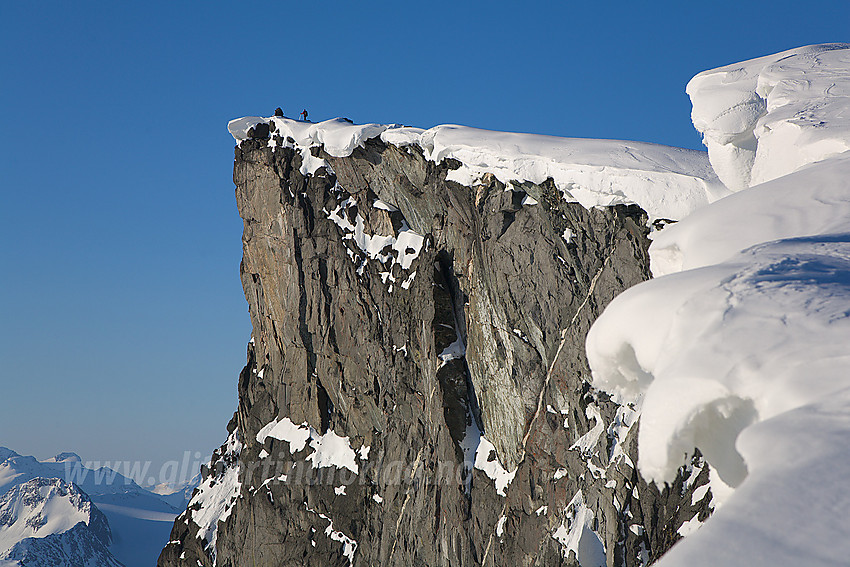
416, 390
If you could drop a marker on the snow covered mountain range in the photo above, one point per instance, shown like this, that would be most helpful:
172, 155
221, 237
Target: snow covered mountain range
457, 297
59, 512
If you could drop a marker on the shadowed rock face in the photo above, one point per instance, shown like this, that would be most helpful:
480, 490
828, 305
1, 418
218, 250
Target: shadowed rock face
484, 330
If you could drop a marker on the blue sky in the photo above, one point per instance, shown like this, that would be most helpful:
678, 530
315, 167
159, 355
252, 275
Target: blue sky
122, 320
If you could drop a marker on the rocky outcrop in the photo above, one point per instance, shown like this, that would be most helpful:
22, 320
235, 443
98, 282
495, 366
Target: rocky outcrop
416, 390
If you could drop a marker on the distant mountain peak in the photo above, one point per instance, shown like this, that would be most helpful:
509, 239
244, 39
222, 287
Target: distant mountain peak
66, 456
43, 515
6, 453
136, 521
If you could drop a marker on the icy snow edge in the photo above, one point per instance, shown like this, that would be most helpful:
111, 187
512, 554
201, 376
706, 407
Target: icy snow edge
666, 182
766, 117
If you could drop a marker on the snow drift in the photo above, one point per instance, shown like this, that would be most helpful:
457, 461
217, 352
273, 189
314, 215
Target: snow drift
767, 117
740, 350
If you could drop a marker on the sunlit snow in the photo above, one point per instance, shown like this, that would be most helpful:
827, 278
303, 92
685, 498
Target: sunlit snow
667, 182
328, 449
741, 349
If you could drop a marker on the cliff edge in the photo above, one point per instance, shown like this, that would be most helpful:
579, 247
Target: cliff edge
417, 391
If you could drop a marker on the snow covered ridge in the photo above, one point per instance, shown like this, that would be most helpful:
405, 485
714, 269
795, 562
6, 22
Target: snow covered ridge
741, 349
215, 497
338, 136
24, 510
50, 521
666, 182
767, 117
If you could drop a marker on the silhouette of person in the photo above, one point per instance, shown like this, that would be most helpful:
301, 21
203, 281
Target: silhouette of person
304, 115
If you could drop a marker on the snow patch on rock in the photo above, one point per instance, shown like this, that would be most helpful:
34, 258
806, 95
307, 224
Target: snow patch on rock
481, 454
328, 450
349, 545
587, 442
487, 462
399, 249
576, 534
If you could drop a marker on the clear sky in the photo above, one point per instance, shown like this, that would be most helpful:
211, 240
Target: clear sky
122, 320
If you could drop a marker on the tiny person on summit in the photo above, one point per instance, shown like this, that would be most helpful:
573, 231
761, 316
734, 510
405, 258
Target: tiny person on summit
304, 115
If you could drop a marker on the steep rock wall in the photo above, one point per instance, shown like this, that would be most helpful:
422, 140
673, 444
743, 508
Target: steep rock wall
416, 390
